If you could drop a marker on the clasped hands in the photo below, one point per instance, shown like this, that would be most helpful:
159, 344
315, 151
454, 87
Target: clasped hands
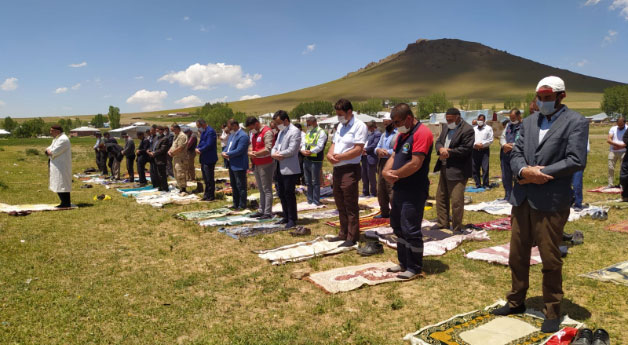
390, 176
443, 153
533, 174
277, 156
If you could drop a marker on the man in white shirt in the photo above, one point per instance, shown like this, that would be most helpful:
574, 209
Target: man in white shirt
345, 154
481, 152
617, 148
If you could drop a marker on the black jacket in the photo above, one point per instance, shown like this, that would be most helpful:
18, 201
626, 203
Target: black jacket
129, 149
458, 165
161, 151
144, 146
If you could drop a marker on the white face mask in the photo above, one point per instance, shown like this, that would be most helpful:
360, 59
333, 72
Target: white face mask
309, 128
403, 129
342, 119
516, 122
480, 123
281, 127
452, 125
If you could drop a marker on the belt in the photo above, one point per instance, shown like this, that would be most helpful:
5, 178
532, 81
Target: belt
347, 167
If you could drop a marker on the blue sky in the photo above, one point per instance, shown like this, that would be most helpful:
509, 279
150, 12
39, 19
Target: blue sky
79, 57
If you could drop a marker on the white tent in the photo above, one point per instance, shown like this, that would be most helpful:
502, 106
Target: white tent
598, 117
382, 114
131, 131
468, 115
83, 131
362, 117
4, 132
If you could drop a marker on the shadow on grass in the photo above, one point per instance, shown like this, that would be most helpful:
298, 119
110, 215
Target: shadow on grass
84, 204
434, 266
575, 311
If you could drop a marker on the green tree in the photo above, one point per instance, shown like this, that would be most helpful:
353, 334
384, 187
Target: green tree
434, 103
615, 100
314, 108
98, 121
464, 103
218, 113
114, 117
476, 105
371, 106
529, 98
9, 124
31, 128
512, 102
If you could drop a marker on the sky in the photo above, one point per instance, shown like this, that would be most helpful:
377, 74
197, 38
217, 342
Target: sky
78, 57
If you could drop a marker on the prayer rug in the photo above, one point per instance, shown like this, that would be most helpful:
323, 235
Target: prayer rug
302, 251
302, 206
238, 232
366, 222
616, 204
620, 227
470, 189
151, 191
606, 190
501, 224
250, 197
233, 220
352, 277
164, 198
480, 327
499, 255
498, 207
320, 214
6, 208
617, 274
431, 247
136, 189
205, 214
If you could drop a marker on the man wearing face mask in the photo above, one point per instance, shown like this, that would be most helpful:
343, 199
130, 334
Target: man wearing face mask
344, 153
481, 152
369, 161
313, 151
507, 141
384, 150
454, 147
206, 149
262, 141
159, 155
617, 149
407, 170
551, 147
236, 154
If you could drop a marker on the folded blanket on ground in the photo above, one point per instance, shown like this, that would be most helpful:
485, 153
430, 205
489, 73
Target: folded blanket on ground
620, 227
499, 255
431, 246
366, 222
150, 191
302, 251
352, 277
163, 198
617, 273
302, 206
499, 207
234, 220
606, 190
6, 208
239, 232
480, 327
497, 224
319, 214
204, 214
470, 189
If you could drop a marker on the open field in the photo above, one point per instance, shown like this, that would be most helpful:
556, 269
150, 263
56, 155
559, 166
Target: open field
115, 272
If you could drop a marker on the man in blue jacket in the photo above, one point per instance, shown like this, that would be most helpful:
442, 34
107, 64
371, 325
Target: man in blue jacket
206, 149
237, 154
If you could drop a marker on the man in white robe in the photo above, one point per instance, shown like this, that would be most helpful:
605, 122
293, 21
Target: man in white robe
60, 165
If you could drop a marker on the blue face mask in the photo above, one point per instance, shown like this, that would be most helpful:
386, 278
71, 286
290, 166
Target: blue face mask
546, 108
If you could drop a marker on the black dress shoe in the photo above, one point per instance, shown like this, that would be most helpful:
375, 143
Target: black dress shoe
506, 310
550, 325
336, 239
583, 337
347, 243
371, 248
601, 337
256, 215
283, 221
290, 225
265, 216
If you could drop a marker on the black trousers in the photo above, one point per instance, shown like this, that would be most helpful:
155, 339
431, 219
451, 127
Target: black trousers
623, 177
286, 189
238, 187
141, 169
480, 161
65, 199
130, 162
154, 175
406, 217
162, 183
208, 178
110, 161
103, 162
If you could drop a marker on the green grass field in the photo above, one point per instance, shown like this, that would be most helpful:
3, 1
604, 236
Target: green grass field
115, 272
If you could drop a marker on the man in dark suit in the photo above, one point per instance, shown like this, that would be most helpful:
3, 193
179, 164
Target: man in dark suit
108, 142
160, 155
623, 174
142, 156
369, 161
153, 139
454, 146
129, 154
207, 157
551, 147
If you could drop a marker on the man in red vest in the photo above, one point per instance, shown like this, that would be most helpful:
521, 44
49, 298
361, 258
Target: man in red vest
262, 141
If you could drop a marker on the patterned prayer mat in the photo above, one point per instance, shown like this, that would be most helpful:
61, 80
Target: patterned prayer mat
620, 227
501, 224
366, 222
205, 214
238, 232
350, 278
617, 274
302, 206
137, 189
302, 251
606, 190
159, 199
234, 220
6, 208
480, 327
319, 214
431, 246
499, 255
498, 207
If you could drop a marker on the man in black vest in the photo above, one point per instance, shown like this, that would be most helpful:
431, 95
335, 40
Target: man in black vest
142, 156
407, 169
507, 142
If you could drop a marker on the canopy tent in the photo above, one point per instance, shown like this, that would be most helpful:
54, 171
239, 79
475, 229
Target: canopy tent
362, 117
382, 114
83, 131
131, 131
4, 132
598, 117
468, 115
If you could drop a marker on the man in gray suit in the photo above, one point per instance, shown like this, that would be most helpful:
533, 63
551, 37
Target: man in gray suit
286, 153
129, 154
551, 147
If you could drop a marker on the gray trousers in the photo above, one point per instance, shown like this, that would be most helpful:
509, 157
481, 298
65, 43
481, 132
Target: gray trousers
264, 180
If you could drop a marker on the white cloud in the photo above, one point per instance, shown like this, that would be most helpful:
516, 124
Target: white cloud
309, 48
139, 77
77, 65
61, 90
591, 2
622, 6
150, 100
189, 101
2, 104
610, 38
9, 84
203, 28
203, 77
247, 97
168, 38
582, 63
186, 18
76, 86
218, 100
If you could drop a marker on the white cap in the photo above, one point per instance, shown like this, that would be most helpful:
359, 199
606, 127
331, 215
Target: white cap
386, 116
551, 84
